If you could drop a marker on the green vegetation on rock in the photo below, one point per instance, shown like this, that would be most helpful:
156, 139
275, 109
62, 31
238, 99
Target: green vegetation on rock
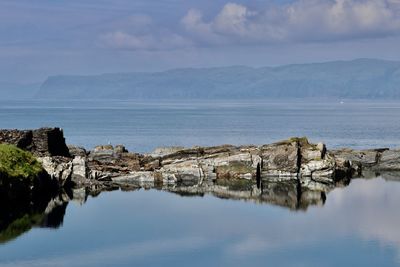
17, 163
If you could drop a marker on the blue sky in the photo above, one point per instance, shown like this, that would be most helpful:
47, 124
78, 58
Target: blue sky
48, 37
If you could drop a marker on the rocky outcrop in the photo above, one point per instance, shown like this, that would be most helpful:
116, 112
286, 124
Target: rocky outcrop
106, 162
372, 160
294, 160
41, 142
281, 159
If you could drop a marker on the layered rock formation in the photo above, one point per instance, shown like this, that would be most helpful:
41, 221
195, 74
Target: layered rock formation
296, 160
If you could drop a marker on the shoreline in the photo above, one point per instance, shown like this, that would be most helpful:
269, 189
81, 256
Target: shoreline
294, 159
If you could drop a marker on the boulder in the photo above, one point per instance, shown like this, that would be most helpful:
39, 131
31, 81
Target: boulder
120, 149
181, 171
79, 170
280, 159
59, 168
363, 158
77, 151
388, 160
315, 162
105, 162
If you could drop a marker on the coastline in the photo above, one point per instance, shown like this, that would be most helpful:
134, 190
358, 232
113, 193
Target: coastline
294, 159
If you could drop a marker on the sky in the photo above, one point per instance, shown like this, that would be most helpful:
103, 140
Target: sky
49, 37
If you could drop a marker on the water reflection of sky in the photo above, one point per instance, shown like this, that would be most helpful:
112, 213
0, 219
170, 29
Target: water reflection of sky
357, 226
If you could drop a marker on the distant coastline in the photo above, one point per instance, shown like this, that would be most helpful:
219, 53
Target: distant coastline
357, 79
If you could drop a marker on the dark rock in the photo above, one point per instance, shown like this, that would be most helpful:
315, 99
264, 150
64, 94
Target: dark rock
41, 142
49, 142
105, 162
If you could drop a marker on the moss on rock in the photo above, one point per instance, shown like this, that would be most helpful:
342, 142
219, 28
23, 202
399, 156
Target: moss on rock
17, 163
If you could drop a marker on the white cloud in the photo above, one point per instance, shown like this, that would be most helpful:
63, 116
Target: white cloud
127, 41
300, 21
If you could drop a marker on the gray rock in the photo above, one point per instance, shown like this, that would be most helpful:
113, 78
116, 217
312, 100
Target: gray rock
79, 171
77, 151
58, 168
315, 162
164, 151
389, 160
364, 158
280, 159
120, 149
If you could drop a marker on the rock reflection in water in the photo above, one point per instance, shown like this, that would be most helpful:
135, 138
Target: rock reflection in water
288, 194
17, 218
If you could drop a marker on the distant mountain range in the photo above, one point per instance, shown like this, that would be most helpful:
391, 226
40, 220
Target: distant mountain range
358, 79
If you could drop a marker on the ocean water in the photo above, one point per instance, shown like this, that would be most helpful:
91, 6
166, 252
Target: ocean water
357, 225
145, 125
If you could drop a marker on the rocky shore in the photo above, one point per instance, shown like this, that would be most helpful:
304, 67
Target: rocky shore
307, 171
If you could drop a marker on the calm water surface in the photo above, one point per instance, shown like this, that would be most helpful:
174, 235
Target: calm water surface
358, 225
143, 126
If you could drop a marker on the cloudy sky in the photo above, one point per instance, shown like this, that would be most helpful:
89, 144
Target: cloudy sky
47, 37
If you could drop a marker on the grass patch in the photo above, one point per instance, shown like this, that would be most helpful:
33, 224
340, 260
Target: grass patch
17, 163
